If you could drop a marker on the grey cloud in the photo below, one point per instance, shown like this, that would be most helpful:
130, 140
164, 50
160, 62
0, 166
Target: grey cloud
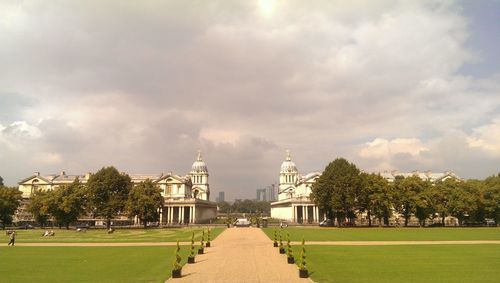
136, 84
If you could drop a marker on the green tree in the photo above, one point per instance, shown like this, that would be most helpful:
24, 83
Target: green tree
336, 190
38, 206
376, 197
66, 203
410, 198
9, 201
107, 192
439, 195
491, 197
144, 200
224, 207
462, 201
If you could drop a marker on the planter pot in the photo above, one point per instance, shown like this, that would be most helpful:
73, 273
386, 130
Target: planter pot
282, 251
191, 259
200, 251
275, 245
290, 259
176, 273
303, 273
208, 245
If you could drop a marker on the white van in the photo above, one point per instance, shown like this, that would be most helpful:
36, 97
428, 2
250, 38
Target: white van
242, 222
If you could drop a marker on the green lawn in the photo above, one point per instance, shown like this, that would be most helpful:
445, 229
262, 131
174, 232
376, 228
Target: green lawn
120, 235
387, 234
87, 264
411, 264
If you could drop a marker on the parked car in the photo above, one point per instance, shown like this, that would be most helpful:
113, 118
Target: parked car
490, 222
326, 223
242, 222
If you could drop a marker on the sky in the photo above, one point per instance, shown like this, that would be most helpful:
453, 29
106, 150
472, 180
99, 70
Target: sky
142, 85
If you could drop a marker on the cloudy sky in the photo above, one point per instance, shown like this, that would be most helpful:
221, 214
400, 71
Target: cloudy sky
142, 85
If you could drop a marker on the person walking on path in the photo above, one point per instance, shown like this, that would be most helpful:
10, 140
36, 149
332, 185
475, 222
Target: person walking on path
12, 238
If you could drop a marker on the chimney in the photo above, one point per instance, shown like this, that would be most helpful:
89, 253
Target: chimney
63, 173
36, 173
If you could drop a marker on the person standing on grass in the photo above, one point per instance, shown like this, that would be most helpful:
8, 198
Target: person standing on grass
12, 238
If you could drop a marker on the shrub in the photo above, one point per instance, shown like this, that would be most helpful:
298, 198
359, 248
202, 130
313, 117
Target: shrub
281, 241
202, 244
177, 261
208, 236
289, 251
192, 246
275, 237
302, 265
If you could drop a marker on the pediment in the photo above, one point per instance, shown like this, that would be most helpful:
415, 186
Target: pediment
170, 178
28, 181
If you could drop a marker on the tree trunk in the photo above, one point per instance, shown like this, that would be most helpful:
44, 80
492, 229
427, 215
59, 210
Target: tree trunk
108, 223
369, 218
442, 219
406, 220
145, 223
379, 221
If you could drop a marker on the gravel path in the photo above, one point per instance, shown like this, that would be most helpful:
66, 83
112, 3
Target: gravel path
241, 255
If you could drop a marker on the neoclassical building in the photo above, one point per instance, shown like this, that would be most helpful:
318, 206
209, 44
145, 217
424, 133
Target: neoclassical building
294, 203
187, 198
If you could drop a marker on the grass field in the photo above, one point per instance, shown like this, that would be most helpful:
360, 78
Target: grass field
388, 234
87, 264
119, 236
411, 264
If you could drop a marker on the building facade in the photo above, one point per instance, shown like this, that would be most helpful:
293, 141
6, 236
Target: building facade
186, 198
294, 203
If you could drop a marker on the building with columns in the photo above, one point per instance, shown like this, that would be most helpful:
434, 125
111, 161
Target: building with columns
294, 203
294, 189
186, 198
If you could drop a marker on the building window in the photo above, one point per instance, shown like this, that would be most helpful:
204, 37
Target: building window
168, 190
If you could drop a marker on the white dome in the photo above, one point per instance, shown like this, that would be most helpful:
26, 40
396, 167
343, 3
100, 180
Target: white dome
199, 165
288, 166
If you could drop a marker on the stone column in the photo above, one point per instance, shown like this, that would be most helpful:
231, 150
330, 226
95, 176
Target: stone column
293, 213
160, 210
171, 214
194, 213
181, 214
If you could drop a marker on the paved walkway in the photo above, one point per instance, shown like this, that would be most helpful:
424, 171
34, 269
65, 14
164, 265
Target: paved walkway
241, 255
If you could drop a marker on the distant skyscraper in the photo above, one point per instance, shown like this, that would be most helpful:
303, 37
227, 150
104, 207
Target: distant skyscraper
220, 198
271, 193
261, 195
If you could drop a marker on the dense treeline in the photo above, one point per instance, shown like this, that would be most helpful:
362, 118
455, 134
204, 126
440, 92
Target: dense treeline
343, 191
246, 206
9, 201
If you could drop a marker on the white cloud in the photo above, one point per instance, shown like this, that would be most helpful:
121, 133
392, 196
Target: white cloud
486, 137
382, 148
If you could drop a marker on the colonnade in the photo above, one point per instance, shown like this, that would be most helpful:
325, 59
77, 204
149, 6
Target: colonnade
176, 214
301, 213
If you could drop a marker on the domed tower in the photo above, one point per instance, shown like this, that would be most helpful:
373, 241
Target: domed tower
288, 177
199, 179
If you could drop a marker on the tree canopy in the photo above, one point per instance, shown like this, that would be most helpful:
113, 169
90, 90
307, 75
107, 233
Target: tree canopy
107, 192
336, 190
66, 203
9, 201
144, 200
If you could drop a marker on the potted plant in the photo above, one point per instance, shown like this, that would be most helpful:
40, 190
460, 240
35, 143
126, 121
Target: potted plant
177, 267
191, 255
289, 252
202, 245
208, 239
275, 243
282, 249
303, 273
